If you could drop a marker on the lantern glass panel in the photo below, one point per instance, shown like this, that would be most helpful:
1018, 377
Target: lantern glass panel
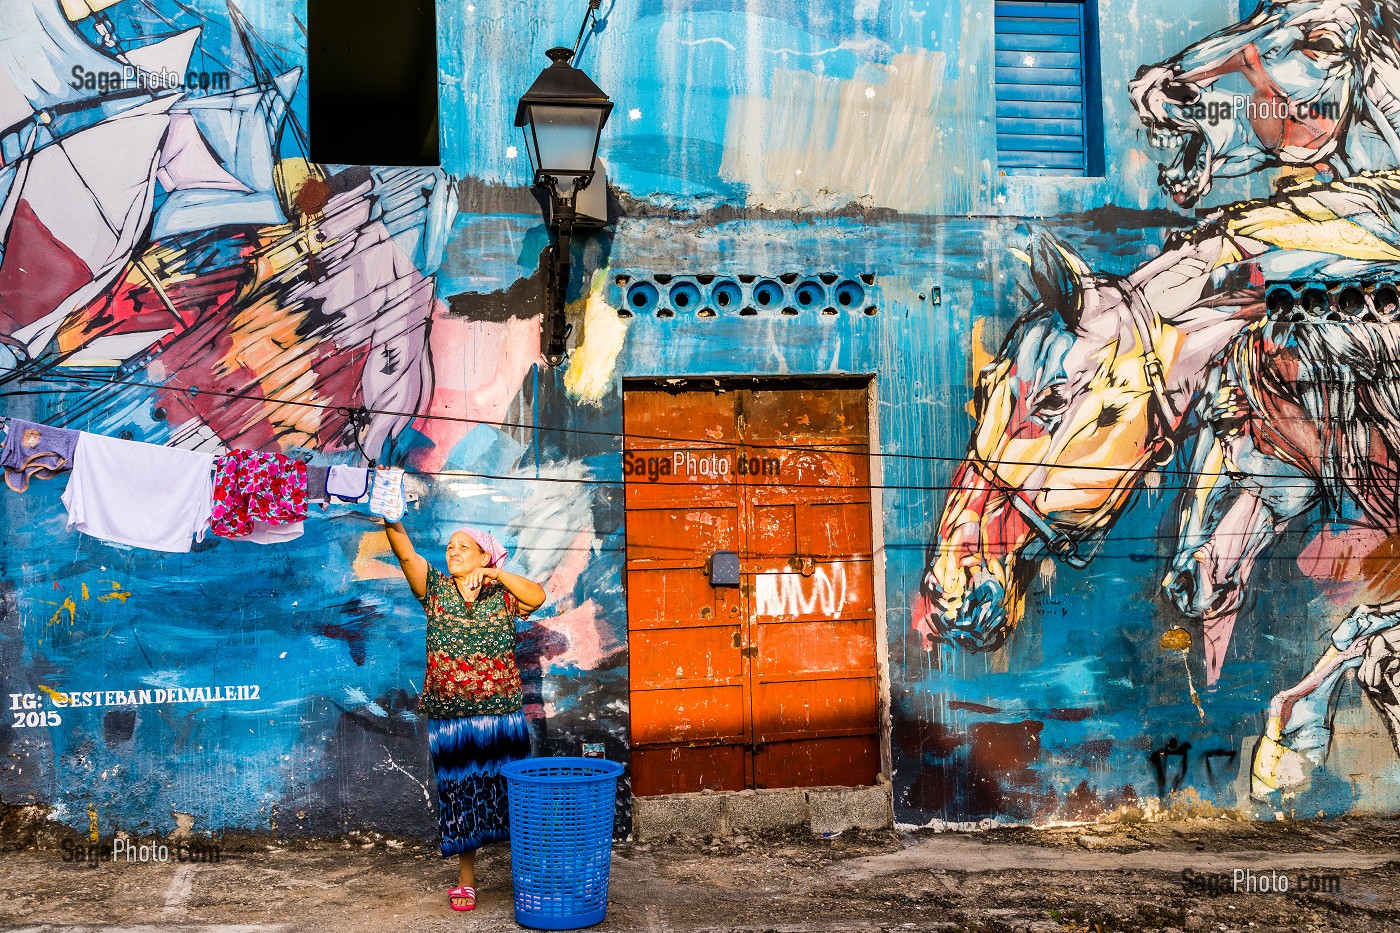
567, 137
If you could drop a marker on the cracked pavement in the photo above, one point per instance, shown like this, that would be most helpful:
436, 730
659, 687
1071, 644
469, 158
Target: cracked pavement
1095, 878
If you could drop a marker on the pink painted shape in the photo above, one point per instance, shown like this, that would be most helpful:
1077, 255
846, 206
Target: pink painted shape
590, 642
489, 361
1217, 630
1336, 556
921, 621
187, 162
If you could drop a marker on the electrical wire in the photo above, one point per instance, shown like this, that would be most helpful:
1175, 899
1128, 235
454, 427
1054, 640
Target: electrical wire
708, 444
1102, 536
670, 552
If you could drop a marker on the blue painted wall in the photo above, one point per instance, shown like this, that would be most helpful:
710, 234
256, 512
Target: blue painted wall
855, 138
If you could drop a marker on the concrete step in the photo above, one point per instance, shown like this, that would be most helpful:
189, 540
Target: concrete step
822, 810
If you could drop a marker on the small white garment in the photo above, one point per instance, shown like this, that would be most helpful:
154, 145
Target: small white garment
348, 484
263, 533
386, 498
144, 495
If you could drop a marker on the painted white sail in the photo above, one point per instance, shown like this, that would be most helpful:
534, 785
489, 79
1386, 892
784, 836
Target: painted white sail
74, 217
40, 53
14, 106
168, 57
240, 129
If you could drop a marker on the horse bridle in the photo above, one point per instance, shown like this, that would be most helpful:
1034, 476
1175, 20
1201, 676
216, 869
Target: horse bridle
1061, 543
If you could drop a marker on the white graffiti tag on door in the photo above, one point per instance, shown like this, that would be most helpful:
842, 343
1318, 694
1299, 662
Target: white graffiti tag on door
784, 593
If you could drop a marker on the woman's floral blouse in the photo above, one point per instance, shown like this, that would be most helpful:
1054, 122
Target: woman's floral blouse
471, 650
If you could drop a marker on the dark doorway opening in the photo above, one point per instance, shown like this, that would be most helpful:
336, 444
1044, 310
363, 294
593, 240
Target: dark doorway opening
372, 82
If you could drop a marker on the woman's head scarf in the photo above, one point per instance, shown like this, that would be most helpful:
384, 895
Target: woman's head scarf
494, 550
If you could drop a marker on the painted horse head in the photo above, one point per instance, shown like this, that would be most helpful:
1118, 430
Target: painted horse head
1069, 417
1298, 83
1307, 414
1239, 501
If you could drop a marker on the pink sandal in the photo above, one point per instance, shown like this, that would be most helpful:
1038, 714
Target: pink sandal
462, 892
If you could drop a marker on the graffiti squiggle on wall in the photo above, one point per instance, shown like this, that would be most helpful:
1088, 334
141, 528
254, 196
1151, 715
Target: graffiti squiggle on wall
788, 594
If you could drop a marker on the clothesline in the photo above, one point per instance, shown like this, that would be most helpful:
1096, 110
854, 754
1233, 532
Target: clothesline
156, 497
371, 462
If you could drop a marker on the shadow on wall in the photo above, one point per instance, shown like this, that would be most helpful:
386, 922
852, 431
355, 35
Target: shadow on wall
376, 772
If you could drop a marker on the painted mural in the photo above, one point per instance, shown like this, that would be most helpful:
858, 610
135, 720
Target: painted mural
175, 269
1138, 556
1299, 84
1102, 383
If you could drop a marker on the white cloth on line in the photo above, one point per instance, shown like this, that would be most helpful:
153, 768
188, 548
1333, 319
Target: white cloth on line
348, 484
386, 499
263, 533
144, 495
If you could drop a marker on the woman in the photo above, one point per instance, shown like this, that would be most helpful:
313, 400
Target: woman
471, 694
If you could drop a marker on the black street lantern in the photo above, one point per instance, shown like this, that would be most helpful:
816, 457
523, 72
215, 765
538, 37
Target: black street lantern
562, 116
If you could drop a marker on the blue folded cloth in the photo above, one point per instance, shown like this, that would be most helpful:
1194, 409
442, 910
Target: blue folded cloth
36, 451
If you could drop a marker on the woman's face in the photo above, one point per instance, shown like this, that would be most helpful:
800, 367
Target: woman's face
464, 555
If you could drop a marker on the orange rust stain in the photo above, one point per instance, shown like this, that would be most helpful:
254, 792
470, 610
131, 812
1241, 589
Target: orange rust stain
313, 196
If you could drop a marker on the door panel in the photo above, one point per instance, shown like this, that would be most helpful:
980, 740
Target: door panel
680, 769
836, 527
826, 647
661, 419
676, 597
848, 762
812, 415
773, 683
772, 532
681, 533
814, 706
670, 658
689, 714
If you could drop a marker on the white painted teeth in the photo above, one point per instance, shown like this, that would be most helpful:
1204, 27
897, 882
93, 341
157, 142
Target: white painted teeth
1185, 182
1166, 139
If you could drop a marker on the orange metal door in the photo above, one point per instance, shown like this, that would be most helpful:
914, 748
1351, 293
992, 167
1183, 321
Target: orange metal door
810, 575
691, 712
773, 683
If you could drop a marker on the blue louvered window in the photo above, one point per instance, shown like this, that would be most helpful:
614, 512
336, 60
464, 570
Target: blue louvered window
1046, 88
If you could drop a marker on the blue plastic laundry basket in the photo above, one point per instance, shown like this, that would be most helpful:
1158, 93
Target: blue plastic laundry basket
561, 827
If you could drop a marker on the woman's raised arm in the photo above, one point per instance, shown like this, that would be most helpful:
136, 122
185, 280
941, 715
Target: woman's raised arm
527, 592
414, 567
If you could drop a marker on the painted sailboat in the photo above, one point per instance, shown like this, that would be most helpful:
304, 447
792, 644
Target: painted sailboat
265, 275
79, 169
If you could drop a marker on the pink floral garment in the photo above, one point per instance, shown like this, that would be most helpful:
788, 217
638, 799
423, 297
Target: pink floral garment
252, 486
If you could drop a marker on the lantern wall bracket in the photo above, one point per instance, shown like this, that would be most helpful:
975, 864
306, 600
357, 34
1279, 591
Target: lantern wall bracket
557, 263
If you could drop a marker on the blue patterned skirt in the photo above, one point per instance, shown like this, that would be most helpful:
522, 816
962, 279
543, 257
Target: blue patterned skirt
467, 756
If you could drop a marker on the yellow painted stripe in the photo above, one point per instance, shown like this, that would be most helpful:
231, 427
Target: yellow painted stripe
82, 9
